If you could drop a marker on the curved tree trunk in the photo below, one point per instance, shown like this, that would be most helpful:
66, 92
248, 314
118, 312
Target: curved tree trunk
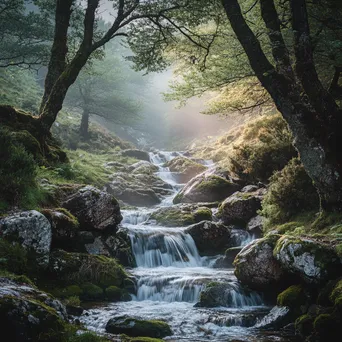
314, 139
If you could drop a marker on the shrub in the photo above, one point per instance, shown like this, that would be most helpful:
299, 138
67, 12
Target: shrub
17, 170
266, 147
290, 192
91, 292
13, 257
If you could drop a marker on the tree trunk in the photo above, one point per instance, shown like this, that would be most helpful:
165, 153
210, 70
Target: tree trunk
310, 137
59, 48
84, 128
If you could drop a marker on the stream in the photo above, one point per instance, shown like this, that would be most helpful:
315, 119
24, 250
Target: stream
170, 275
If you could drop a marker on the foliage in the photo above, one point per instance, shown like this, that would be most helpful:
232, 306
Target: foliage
290, 192
24, 35
19, 88
266, 147
87, 337
17, 174
13, 257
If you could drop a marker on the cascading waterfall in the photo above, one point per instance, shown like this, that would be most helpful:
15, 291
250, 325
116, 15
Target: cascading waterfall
171, 274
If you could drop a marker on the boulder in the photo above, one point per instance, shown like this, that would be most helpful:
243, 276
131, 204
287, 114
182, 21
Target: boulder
136, 327
65, 228
143, 167
95, 209
181, 215
277, 318
256, 267
311, 260
32, 230
254, 226
137, 154
185, 167
78, 268
241, 206
138, 189
228, 259
210, 237
210, 186
229, 295
28, 314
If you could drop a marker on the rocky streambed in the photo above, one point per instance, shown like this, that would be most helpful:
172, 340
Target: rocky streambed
182, 275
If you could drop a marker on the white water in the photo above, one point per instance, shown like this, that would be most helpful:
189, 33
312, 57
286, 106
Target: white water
170, 276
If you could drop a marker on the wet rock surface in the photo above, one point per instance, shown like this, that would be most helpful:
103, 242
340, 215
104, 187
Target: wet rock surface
32, 230
95, 209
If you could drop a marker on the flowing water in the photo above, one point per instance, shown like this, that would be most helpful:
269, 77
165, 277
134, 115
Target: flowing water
170, 275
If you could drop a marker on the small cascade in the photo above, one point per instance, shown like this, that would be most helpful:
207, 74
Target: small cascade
163, 247
170, 276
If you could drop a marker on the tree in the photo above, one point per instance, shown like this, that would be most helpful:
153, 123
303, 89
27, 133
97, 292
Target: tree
24, 36
155, 18
103, 90
312, 114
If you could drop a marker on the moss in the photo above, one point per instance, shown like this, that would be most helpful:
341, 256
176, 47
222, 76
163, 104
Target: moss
73, 301
13, 257
78, 268
125, 338
173, 217
113, 293
21, 279
336, 295
326, 326
91, 292
212, 182
136, 327
304, 325
203, 214
293, 297
87, 337
69, 291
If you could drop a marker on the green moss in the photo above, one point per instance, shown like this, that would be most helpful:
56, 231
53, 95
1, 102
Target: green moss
91, 292
293, 297
13, 257
136, 327
212, 182
125, 338
21, 279
326, 325
173, 217
69, 291
304, 325
87, 337
73, 301
78, 268
336, 295
203, 214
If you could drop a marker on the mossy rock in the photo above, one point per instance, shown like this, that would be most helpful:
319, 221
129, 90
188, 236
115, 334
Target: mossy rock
336, 295
293, 297
136, 327
327, 327
304, 325
30, 143
113, 293
203, 214
69, 291
91, 292
78, 268
125, 338
88, 337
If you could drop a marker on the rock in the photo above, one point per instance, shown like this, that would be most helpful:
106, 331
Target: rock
254, 226
138, 189
136, 327
28, 314
70, 268
210, 237
94, 209
206, 187
277, 318
65, 228
32, 230
143, 167
294, 297
256, 267
185, 167
74, 310
310, 260
137, 154
229, 295
241, 206
228, 259
181, 215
